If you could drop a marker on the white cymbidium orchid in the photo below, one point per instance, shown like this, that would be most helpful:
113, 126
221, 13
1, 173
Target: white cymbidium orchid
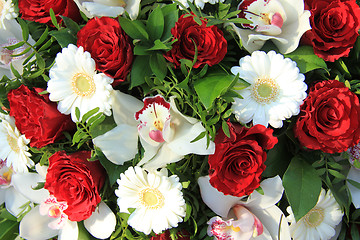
281, 21
109, 8
48, 220
11, 34
164, 132
11, 186
354, 174
262, 215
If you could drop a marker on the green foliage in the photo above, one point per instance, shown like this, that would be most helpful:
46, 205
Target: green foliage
306, 59
302, 186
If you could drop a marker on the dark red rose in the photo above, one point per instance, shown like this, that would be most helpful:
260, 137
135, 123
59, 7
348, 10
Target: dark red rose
329, 118
210, 42
76, 181
335, 27
109, 46
182, 235
39, 10
37, 117
238, 161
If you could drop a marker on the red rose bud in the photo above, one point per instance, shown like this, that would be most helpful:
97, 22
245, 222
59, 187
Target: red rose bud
109, 46
75, 180
210, 42
238, 161
39, 11
329, 119
335, 27
37, 117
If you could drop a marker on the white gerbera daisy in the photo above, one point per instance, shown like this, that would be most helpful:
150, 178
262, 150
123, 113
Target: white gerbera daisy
13, 146
7, 12
157, 199
319, 222
276, 90
75, 83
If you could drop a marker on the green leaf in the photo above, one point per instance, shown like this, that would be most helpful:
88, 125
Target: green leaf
140, 69
354, 183
155, 24
158, 45
77, 113
71, 25
212, 86
42, 38
240, 20
64, 37
87, 115
15, 72
302, 186
135, 29
200, 136
306, 59
15, 46
40, 61
8, 229
170, 13
158, 65
24, 29
225, 128
53, 18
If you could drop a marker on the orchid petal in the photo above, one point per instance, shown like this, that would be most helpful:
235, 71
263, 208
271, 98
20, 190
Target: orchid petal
124, 108
354, 174
149, 151
2, 195
25, 182
102, 222
133, 8
182, 145
215, 200
273, 191
119, 144
70, 231
271, 218
100, 10
164, 156
14, 201
35, 226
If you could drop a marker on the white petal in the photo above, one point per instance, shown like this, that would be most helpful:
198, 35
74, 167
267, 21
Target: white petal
215, 200
119, 144
273, 191
24, 183
70, 231
270, 218
14, 201
354, 174
164, 156
124, 108
35, 226
182, 145
100, 10
2, 195
102, 222
132, 7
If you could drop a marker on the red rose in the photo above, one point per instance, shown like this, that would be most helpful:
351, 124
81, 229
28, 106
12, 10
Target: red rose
109, 46
37, 117
210, 42
329, 119
76, 181
39, 10
238, 161
335, 25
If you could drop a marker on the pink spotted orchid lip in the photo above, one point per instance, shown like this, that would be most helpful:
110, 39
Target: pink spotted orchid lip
154, 119
54, 209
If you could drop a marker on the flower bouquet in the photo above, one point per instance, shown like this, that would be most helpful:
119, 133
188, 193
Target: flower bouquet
183, 119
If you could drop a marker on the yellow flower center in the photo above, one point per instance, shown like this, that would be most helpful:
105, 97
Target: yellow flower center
265, 90
13, 143
151, 198
83, 85
158, 124
7, 175
54, 212
314, 217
